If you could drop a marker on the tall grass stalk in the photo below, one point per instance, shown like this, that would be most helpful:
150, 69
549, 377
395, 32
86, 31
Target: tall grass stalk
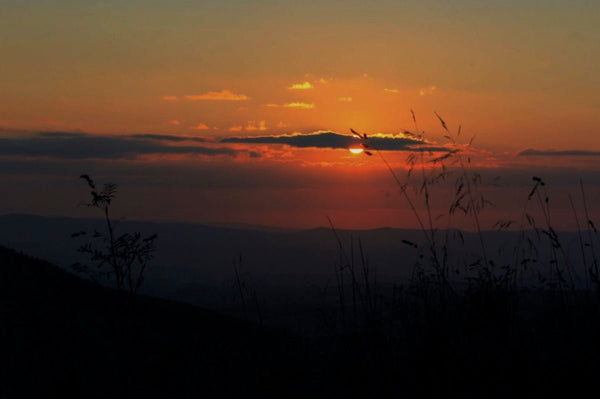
363, 285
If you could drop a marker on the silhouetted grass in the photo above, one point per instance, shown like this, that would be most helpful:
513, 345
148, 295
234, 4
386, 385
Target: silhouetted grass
467, 322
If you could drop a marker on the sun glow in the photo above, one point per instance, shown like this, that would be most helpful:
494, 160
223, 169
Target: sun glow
356, 150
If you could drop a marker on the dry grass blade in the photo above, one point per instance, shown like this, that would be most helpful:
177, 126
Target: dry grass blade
410, 243
443, 157
89, 181
360, 136
442, 122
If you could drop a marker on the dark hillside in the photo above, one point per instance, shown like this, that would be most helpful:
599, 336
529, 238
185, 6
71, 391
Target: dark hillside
63, 335
60, 334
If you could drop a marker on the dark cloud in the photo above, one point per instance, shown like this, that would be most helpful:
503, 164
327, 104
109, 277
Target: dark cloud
576, 153
61, 134
65, 145
336, 141
167, 137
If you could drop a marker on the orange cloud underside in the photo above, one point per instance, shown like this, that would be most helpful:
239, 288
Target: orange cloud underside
301, 86
300, 105
223, 95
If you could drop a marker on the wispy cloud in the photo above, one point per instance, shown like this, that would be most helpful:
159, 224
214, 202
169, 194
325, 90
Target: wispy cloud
200, 126
63, 135
345, 99
165, 137
170, 98
236, 128
337, 141
394, 91
75, 146
174, 122
556, 153
272, 105
299, 105
223, 95
301, 86
253, 126
427, 91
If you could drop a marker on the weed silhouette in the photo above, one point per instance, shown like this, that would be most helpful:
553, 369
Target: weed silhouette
121, 257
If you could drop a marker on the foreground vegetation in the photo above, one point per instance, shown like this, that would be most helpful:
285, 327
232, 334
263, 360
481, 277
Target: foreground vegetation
61, 334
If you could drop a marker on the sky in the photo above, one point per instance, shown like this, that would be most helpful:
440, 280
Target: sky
240, 111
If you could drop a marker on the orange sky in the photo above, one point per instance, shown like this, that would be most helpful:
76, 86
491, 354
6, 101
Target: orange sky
516, 75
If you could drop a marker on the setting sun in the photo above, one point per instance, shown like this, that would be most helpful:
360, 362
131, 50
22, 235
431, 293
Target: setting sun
356, 150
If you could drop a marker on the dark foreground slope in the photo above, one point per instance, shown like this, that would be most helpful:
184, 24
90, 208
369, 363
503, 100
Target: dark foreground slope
60, 334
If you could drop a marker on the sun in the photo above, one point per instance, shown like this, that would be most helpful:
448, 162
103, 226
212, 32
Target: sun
356, 150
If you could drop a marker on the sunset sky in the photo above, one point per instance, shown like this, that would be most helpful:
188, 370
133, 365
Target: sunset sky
238, 111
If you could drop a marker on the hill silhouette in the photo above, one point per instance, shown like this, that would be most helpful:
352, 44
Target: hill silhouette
63, 335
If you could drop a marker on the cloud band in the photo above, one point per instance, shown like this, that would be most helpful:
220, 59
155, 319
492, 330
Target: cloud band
336, 141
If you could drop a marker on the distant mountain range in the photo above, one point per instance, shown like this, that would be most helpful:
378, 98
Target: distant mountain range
194, 263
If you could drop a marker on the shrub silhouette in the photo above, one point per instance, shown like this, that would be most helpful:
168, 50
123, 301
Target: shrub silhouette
121, 257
